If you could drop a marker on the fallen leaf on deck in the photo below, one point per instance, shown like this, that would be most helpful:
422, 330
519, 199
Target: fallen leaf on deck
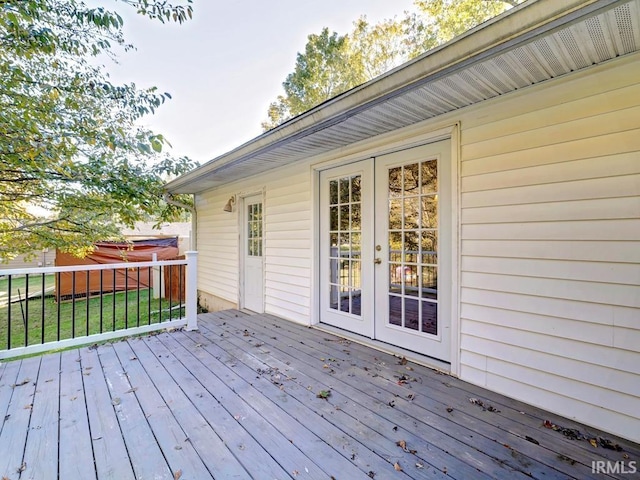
116, 401
397, 467
177, 475
419, 465
609, 445
22, 467
371, 474
28, 407
131, 390
324, 394
593, 442
403, 361
564, 458
449, 409
402, 444
19, 384
532, 440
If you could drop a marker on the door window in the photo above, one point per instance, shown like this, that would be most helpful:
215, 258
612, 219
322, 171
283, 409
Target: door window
254, 230
413, 246
345, 244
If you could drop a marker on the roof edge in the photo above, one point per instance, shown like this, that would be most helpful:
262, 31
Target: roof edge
514, 27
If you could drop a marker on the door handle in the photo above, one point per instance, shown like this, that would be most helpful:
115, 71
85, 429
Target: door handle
377, 261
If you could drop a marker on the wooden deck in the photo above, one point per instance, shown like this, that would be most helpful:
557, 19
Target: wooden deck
253, 396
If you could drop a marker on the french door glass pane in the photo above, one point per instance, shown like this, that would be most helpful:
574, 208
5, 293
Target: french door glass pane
413, 246
345, 257
254, 230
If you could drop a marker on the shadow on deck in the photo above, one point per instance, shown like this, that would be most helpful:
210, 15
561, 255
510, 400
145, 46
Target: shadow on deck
254, 396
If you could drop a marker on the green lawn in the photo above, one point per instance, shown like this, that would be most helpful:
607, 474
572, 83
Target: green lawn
18, 285
114, 308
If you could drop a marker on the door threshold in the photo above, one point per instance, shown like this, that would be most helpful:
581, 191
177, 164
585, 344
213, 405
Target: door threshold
410, 355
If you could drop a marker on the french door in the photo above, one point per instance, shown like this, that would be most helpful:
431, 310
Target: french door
385, 255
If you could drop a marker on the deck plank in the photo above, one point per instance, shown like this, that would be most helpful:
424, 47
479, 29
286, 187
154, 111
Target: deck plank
274, 429
519, 453
511, 411
144, 452
42, 439
508, 426
76, 456
173, 384
8, 377
316, 436
363, 404
109, 449
18, 414
194, 377
172, 439
516, 417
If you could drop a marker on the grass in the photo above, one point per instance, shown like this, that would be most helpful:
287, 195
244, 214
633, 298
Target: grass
18, 285
84, 317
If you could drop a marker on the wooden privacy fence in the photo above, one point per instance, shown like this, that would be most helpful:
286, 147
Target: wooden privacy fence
174, 280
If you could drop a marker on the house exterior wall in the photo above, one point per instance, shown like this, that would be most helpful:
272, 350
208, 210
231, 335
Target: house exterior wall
549, 253
288, 247
550, 247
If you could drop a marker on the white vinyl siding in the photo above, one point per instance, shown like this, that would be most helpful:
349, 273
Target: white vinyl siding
550, 247
549, 209
287, 245
218, 246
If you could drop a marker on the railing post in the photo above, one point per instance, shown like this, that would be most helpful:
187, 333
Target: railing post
191, 290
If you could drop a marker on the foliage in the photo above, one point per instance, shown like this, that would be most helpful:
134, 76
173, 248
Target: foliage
451, 18
74, 162
321, 72
333, 64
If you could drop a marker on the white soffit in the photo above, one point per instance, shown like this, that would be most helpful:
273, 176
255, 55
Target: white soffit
610, 31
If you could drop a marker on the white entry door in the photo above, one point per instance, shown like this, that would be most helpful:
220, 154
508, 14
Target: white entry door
252, 295
385, 258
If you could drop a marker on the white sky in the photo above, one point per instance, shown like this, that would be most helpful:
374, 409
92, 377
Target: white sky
225, 66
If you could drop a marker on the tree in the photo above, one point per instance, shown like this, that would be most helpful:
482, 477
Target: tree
450, 18
371, 50
324, 70
70, 142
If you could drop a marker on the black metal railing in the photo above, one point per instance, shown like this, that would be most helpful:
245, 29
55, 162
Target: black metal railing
63, 304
